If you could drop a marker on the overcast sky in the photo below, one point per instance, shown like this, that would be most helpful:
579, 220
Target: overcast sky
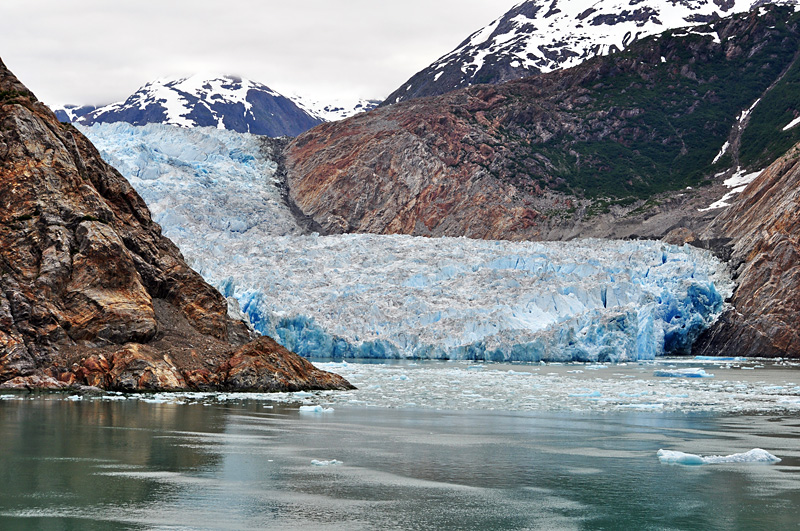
100, 51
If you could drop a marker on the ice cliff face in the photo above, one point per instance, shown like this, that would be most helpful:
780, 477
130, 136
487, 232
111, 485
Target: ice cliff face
217, 196
370, 296
539, 36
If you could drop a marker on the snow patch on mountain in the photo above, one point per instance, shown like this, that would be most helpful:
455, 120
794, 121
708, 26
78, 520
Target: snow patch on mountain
336, 109
737, 183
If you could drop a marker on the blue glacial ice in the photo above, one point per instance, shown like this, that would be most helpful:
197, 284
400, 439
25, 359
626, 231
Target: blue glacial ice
756, 455
367, 296
216, 195
690, 372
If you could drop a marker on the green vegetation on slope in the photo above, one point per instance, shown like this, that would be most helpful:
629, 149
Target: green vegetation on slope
657, 114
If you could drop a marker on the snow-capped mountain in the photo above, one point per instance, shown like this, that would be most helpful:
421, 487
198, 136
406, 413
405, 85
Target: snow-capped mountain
224, 102
331, 111
538, 36
72, 113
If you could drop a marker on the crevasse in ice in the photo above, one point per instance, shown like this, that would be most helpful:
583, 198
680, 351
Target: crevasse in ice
368, 296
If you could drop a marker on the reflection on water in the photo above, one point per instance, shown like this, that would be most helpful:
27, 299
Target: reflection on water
130, 464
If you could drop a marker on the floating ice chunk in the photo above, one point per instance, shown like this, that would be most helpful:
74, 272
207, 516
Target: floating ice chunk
315, 409
683, 373
332, 462
589, 394
715, 358
757, 455
642, 406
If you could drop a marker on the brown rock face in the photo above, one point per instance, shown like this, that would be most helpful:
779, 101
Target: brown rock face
764, 230
90, 292
420, 172
615, 147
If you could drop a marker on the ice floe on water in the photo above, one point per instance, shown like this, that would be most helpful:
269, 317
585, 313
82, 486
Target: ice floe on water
757, 455
455, 386
692, 372
315, 409
330, 462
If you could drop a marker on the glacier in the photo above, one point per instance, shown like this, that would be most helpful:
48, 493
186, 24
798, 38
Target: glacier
218, 196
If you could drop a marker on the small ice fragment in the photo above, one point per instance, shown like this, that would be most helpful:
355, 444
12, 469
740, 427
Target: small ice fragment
693, 372
589, 394
332, 462
315, 409
757, 455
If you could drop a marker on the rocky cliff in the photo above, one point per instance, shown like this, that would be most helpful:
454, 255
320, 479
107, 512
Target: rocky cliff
635, 143
761, 232
90, 291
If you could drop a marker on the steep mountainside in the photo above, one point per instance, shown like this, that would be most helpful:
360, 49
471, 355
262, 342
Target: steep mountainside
540, 36
761, 229
92, 293
632, 143
224, 102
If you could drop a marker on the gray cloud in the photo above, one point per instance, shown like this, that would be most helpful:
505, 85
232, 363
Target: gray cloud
98, 51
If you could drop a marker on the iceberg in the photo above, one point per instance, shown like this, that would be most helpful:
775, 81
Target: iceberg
682, 373
220, 198
757, 455
331, 462
315, 409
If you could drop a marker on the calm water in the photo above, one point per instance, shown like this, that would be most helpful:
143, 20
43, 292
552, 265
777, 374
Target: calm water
130, 464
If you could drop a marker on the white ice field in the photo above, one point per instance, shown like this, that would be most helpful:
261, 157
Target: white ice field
367, 296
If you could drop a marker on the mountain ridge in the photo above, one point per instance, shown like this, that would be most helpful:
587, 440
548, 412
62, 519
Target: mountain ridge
225, 102
539, 36
601, 149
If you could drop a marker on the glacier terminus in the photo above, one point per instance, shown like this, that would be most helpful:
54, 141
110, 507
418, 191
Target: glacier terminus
217, 196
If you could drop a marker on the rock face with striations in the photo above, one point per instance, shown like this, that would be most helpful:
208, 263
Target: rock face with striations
91, 293
762, 229
635, 143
